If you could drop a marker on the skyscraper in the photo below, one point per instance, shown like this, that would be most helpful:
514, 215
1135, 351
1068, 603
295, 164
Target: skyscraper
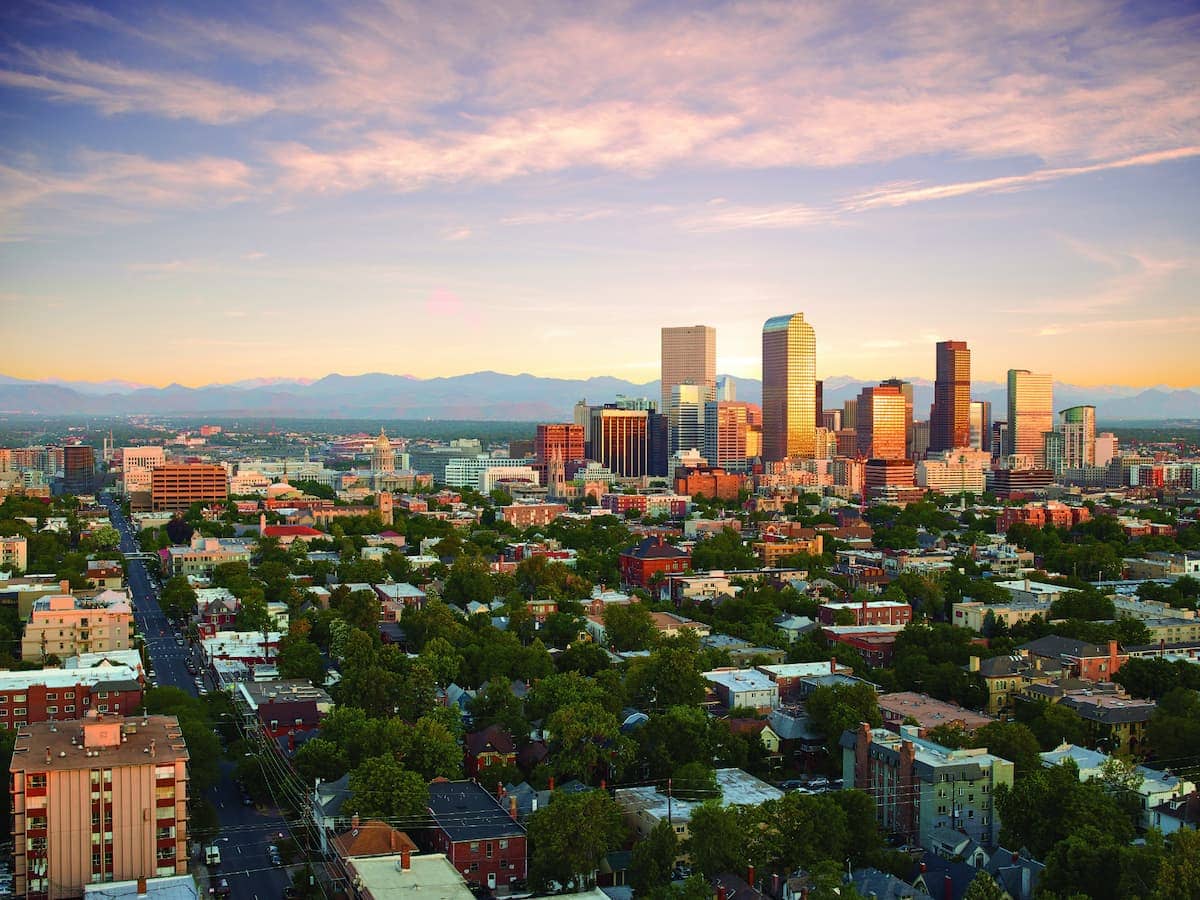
727, 425
1078, 427
906, 389
621, 440
685, 417
726, 388
689, 356
881, 423
79, 469
1030, 414
981, 425
789, 388
949, 421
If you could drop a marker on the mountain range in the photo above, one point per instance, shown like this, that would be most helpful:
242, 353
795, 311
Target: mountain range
493, 396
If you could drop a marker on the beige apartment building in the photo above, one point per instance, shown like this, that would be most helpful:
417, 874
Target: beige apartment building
65, 626
102, 800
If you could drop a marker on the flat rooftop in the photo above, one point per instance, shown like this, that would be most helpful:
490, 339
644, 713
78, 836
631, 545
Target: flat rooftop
431, 876
738, 788
64, 746
930, 712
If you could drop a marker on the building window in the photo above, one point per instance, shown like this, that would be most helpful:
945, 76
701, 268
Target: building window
36, 781
52, 696
69, 709
50, 710
474, 846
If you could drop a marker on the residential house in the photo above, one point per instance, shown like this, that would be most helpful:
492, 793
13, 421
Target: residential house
492, 747
1081, 659
743, 689
482, 839
651, 559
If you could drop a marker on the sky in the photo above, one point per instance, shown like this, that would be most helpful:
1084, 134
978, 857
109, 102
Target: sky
212, 191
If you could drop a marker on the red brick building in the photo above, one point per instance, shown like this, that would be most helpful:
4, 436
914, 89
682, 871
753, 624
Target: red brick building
482, 839
491, 747
531, 515
882, 612
55, 695
1038, 515
710, 482
640, 563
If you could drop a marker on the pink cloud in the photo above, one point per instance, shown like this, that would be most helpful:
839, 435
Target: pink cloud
445, 304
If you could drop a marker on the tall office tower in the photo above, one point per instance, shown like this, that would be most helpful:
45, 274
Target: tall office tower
726, 427
79, 469
881, 423
789, 388
99, 800
689, 356
906, 389
831, 420
383, 457
850, 414
620, 439
920, 439
177, 487
949, 420
1030, 414
583, 416
658, 443
1078, 427
981, 425
819, 408
999, 439
686, 417
1053, 451
726, 389
1106, 448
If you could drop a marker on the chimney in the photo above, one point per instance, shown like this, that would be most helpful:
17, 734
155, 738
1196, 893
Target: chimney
552, 782
500, 789
1016, 856
833, 665
603, 784
948, 888
141, 886
512, 807
1113, 650
262, 522
354, 821
406, 858
65, 586
973, 665
923, 868
721, 892
750, 875
153, 748
48, 757
775, 885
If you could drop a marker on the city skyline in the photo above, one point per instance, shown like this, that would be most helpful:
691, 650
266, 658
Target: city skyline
194, 194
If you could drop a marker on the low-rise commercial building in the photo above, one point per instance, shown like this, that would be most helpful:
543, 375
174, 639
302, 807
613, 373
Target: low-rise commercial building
744, 689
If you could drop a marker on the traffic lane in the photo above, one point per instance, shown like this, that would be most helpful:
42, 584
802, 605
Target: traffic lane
247, 835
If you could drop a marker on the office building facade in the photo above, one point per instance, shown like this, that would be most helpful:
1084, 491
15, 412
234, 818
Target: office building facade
79, 469
1030, 414
176, 487
980, 432
789, 388
620, 440
949, 421
883, 431
689, 356
1078, 427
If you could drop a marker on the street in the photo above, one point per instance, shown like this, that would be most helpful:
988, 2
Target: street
245, 831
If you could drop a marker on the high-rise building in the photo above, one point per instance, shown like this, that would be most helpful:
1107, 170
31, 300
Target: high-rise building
949, 421
1106, 448
177, 487
981, 425
831, 420
726, 428
881, 423
1078, 427
999, 438
819, 409
1030, 414
789, 388
850, 414
906, 389
726, 388
101, 800
620, 440
689, 356
564, 439
658, 443
1053, 451
79, 469
685, 416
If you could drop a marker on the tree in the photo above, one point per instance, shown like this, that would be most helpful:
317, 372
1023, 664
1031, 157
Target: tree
562, 689
496, 704
1179, 872
380, 787
584, 657
716, 839
299, 658
178, 600
1045, 806
653, 858
569, 836
1012, 741
834, 709
667, 677
629, 626
587, 742
433, 750
983, 887
321, 758
469, 580
360, 609
725, 550
443, 660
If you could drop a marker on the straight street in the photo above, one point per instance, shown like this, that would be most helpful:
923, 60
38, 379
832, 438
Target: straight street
246, 832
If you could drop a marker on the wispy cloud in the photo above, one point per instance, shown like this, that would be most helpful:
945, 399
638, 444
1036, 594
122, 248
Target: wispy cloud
738, 218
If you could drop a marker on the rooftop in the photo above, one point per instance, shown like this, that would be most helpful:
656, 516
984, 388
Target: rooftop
805, 670
171, 887
291, 690
930, 712
67, 678
467, 812
737, 788
63, 746
430, 875
737, 680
